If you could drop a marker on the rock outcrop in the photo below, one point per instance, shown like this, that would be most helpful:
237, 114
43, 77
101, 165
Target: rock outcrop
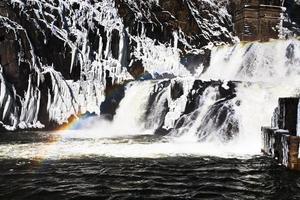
58, 58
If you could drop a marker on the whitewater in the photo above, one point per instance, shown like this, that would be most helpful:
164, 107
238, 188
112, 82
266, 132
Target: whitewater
225, 121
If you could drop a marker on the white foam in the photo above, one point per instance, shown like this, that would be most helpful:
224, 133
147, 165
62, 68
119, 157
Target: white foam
73, 147
276, 61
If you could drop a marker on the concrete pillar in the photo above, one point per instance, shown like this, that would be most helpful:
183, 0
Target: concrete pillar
288, 114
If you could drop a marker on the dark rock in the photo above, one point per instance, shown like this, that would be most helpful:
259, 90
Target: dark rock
220, 118
193, 61
176, 90
193, 97
45, 87
292, 9
136, 69
14, 55
2, 129
161, 20
113, 96
222, 115
288, 114
162, 132
155, 95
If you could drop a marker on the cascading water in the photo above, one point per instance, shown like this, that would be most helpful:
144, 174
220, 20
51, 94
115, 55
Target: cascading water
275, 61
227, 116
197, 117
223, 105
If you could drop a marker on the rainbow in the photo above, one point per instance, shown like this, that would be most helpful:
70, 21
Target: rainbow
75, 122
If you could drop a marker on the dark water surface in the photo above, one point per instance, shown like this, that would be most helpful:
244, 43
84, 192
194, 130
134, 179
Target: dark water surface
146, 178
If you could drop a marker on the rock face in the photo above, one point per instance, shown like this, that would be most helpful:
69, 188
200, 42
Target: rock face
195, 23
203, 108
219, 118
59, 58
291, 22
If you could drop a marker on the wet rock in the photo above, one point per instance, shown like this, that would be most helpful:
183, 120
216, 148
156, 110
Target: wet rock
222, 115
162, 132
196, 93
292, 9
136, 69
113, 96
176, 90
159, 21
156, 98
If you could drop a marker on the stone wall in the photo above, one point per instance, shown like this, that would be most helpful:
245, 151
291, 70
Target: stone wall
288, 115
256, 19
281, 146
281, 141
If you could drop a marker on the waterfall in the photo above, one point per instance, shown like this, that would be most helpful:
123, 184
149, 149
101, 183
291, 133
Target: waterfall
196, 109
129, 118
222, 113
130, 115
95, 47
256, 62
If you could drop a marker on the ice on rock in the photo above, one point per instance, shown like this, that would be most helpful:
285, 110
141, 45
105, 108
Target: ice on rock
8, 108
68, 97
159, 59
